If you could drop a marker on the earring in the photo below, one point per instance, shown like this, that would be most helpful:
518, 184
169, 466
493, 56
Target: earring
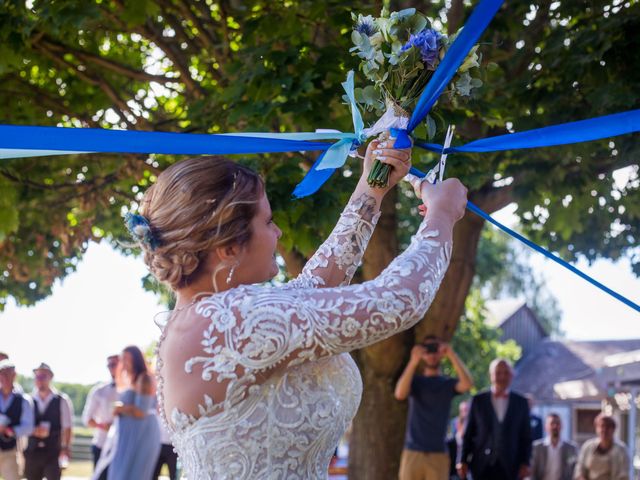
230, 276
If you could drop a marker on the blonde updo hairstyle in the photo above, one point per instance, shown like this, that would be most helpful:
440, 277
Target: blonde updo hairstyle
195, 206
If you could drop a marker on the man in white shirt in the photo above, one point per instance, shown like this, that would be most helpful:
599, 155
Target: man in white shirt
52, 433
98, 409
16, 421
553, 458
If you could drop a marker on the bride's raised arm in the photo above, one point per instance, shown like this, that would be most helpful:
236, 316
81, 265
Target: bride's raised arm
337, 259
255, 329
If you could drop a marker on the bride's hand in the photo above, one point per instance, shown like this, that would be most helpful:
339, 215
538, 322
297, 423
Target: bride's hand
399, 159
447, 199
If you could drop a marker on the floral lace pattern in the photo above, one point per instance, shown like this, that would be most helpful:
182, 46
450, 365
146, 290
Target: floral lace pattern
289, 426
345, 246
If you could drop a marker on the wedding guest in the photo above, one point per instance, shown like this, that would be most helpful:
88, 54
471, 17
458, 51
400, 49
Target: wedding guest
425, 454
168, 455
16, 386
49, 443
537, 428
136, 441
497, 440
553, 458
98, 409
16, 420
603, 457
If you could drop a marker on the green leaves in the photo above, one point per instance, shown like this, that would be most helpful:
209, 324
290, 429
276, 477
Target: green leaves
194, 66
9, 212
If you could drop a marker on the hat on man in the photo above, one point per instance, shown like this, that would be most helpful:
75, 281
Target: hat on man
6, 364
43, 366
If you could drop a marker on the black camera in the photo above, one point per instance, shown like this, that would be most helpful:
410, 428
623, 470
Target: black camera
431, 347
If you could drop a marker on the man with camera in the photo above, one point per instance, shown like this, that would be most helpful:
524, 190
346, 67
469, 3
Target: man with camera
425, 455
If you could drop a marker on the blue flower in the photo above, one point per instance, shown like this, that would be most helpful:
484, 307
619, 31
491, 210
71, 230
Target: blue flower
140, 229
428, 42
366, 25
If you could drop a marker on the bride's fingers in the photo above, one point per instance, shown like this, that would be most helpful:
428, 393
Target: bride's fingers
396, 163
422, 209
403, 155
415, 183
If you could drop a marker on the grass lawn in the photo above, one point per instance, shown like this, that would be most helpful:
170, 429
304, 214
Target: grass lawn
78, 469
85, 469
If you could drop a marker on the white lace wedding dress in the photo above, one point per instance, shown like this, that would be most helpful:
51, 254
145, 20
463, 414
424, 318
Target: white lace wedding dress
289, 426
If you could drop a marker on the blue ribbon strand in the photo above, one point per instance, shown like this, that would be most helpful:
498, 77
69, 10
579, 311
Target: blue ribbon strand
475, 209
481, 213
313, 180
21, 141
563, 134
464, 42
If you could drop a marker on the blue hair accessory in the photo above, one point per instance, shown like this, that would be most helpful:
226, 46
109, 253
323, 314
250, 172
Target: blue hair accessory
140, 229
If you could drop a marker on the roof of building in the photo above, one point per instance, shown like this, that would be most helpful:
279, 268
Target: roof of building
499, 311
568, 369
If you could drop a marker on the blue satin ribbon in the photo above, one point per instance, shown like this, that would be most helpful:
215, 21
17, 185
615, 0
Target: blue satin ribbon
313, 180
475, 209
573, 132
456, 54
481, 213
447, 68
22, 141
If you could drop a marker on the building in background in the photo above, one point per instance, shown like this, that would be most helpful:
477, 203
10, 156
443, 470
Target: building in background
575, 379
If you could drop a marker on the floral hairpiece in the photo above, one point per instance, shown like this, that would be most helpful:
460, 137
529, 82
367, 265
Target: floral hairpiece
140, 229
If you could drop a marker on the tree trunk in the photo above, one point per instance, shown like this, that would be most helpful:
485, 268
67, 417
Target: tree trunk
455, 16
378, 430
442, 318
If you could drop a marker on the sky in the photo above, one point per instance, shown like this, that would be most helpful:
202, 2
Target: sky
102, 308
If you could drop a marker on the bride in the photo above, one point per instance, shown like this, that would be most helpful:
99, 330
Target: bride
254, 381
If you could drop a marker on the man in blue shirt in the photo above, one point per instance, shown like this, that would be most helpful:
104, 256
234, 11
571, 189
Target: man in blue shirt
16, 420
425, 455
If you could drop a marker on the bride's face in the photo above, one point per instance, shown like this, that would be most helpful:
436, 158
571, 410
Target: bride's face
258, 263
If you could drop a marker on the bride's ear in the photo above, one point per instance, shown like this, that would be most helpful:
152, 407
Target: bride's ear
228, 254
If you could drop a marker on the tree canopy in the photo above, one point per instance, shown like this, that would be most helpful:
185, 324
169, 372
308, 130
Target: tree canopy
205, 66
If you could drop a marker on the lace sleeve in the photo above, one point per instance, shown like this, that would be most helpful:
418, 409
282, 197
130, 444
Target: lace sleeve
254, 328
338, 258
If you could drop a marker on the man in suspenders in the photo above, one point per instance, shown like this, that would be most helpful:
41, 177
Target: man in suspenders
16, 420
52, 433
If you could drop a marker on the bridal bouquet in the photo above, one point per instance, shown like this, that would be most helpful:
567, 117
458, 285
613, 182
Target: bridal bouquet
399, 52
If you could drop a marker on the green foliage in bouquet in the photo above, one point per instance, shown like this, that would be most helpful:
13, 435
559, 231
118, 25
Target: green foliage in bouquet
399, 52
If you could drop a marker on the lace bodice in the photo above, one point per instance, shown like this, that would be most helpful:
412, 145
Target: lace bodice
297, 337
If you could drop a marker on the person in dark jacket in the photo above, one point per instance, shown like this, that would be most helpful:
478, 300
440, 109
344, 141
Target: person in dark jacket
497, 439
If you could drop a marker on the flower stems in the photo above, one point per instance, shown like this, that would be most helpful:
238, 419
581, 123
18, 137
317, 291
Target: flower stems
379, 175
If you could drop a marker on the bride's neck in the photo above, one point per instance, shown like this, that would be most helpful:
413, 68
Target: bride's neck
203, 285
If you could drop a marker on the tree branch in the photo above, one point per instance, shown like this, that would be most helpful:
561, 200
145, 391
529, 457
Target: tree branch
47, 101
455, 16
112, 65
205, 38
119, 104
492, 199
